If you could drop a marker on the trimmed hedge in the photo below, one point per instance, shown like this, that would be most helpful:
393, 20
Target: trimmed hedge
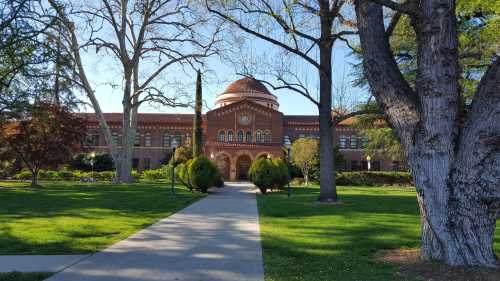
269, 174
374, 178
199, 174
71, 175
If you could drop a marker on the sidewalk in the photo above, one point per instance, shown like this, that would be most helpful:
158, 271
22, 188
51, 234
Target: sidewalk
215, 239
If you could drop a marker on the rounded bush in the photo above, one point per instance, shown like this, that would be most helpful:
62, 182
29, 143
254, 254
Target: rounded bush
23, 175
281, 175
203, 174
269, 174
261, 173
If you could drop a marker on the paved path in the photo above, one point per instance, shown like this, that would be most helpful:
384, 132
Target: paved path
215, 239
38, 263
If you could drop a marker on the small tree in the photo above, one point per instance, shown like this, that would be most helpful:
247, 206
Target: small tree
304, 154
182, 155
48, 136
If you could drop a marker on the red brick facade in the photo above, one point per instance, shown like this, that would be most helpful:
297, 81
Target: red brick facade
241, 129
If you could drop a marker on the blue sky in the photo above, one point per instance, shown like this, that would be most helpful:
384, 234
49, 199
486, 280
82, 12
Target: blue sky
103, 72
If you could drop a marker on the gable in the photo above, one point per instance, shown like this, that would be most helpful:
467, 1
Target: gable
243, 105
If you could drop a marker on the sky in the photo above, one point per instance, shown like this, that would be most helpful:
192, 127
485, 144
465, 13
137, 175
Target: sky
104, 74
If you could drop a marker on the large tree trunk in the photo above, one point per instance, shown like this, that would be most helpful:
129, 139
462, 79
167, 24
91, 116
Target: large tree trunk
453, 167
129, 122
328, 191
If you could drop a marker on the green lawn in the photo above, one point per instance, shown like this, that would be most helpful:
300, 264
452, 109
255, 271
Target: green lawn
303, 240
71, 218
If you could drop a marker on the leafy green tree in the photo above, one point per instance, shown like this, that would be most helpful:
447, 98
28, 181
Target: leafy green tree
382, 140
305, 154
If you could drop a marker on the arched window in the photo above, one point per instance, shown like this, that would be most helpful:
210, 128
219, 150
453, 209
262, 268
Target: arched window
343, 141
249, 136
366, 141
354, 141
137, 140
240, 136
267, 136
115, 138
167, 139
222, 136
230, 136
147, 139
178, 138
258, 136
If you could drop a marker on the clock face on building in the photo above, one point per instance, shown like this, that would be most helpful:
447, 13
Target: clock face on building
244, 119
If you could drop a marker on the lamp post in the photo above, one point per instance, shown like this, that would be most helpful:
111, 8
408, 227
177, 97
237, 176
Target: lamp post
369, 164
288, 146
92, 159
174, 146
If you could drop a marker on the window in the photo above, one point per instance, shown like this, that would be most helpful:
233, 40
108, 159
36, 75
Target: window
354, 142
376, 166
365, 141
343, 141
240, 136
222, 136
188, 139
147, 139
178, 138
147, 163
249, 136
301, 136
115, 138
267, 136
93, 140
258, 136
230, 136
167, 140
137, 140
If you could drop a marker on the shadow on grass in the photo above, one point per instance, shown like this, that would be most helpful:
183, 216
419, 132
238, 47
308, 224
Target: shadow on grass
303, 240
81, 218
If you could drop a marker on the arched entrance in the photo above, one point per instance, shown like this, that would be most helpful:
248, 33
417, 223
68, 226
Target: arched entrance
223, 164
242, 165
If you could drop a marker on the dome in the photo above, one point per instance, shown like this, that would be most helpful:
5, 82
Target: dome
247, 88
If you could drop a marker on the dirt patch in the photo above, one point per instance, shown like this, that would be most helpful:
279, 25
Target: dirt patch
412, 266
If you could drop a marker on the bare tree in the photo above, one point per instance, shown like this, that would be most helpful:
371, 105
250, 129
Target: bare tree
147, 38
453, 150
305, 30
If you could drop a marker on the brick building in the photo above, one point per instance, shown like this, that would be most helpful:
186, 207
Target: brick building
246, 124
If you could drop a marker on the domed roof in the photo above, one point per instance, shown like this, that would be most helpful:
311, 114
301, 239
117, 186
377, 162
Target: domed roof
247, 89
246, 85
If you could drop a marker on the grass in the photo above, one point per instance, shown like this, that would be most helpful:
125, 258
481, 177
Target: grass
76, 218
306, 241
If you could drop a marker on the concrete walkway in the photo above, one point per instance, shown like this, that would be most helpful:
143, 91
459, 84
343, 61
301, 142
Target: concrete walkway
215, 239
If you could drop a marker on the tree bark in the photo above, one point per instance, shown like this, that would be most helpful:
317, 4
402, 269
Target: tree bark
328, 191
453, 168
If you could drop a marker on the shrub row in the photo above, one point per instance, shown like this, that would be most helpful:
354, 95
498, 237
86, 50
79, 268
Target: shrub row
71, 175
199, 174
374, 178
269, 174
